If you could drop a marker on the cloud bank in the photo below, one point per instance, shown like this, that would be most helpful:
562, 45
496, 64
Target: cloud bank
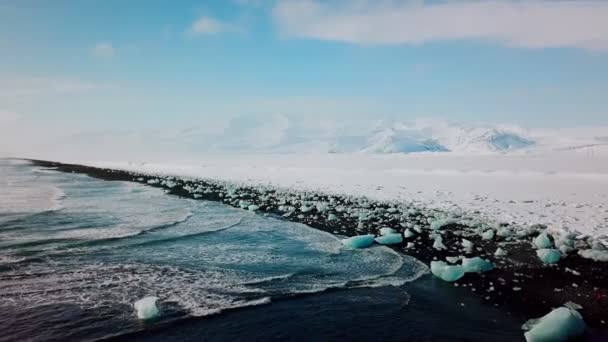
524, 24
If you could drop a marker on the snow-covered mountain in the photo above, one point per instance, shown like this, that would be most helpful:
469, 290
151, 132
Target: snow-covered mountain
280, 134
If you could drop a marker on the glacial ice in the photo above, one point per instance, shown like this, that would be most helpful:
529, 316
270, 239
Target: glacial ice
446, 272
488, 235
594, 254
438, 244
146, 308
543, 241
390, 239
466, 244
253, 207
360, 241
476, 265
500, 252
438, 224
331, 217
408, 233
386, 231
560, 324
452, 260
548, 255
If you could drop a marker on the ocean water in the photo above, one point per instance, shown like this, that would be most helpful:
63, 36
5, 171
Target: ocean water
76, 252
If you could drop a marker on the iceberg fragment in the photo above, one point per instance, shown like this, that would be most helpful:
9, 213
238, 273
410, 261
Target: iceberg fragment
548, 255
488, 235
466, 244
446, 272
253, 207
438, 224
331, 217
500, 252
408, 233
438, 244
560, 324
543, 241
594, 254
360, 241
146, 308
386, 231
476, 265
390, 239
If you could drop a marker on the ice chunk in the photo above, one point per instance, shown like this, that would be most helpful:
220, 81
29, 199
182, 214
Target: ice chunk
594, 254
146, 308
543, 241
322, 207
386, 231
488, 235
410, 245
253, 207
446, 272
452, 260
476, 265
438, 244
331, 217
560, 324
360, 241
548, 255
390, 239
466, 244
503, 231
500, 252
438, 224
408, 233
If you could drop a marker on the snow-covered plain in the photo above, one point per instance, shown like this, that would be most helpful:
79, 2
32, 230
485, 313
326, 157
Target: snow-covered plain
565, 190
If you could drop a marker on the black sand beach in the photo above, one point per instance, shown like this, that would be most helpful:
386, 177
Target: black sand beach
519, 285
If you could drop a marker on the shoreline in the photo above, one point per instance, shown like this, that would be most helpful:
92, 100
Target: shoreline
519, 283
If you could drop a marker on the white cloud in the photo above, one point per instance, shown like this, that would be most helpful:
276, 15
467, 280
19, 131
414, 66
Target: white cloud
104, 50
210, 26
526, 24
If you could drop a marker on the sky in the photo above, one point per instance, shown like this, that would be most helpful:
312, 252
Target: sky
70, 67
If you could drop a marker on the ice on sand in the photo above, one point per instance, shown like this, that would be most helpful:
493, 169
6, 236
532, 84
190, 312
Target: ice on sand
548, 255
438, 244
146, 308
466, 244
488, 235
500, 252
560, 324
543, 241
387, 231
390, 239
360, 241
594, 254
446, 272
476, 265
438, 224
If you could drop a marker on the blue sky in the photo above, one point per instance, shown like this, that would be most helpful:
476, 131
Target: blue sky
102, 64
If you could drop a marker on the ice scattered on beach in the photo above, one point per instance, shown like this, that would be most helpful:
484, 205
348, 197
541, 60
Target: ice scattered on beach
146, 308
390, 239
593, 254
361, 241
500, 252
445, 272
387, 231
560, 324
476, 265
543, 241
548, 255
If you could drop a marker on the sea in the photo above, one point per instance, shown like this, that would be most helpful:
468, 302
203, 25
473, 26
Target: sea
76, 253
